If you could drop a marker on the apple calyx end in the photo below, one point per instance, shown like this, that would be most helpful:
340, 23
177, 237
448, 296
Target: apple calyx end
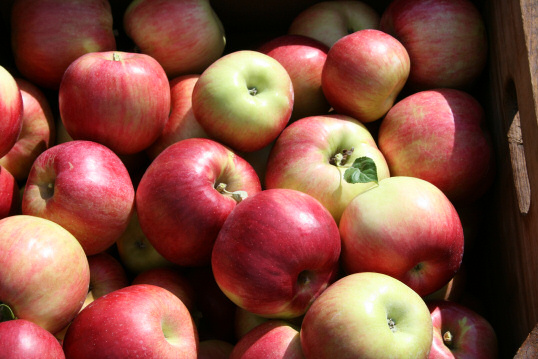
392, 325
448, 339
6, 313
253, 91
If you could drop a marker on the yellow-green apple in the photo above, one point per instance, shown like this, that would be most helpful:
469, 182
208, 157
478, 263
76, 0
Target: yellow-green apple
274, 339
214, 349
406, 228
47, 35
303, 57
181, 123
136, 252
364, 73
185, 37
186, 194
11, 110
329, 21
276, 252
440, 136
119, 99
244, 100
84, 187
142, 320
446, 41
367, 315
171, 279
9, 194
313, 154
460, 332
24, 339
44, 272
244, 321
37, 133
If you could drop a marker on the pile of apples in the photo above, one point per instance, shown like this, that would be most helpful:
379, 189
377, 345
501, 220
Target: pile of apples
173, 189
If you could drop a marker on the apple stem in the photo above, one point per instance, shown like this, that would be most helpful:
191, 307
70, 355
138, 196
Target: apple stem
341, 157
116, 57
6, 313
238, 196
448, 338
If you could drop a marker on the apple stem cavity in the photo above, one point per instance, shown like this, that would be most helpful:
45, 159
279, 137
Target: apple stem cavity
46, 190
6, 313
448, 339
303, 278
238, 196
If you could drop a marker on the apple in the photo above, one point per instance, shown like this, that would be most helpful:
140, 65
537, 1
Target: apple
44, 272
118, 99
329, 21
135, 250
367, 315
460, 332
171, 279
84, 187
181, 123
9, 194
136, 321
303, 57
446, 41
24, 339
11, 110
47, 35
308, 157
245, 321
406, 228
186, 194
276, 252
37, 131
244, 100
185, 37
214, 349
455, 289
364, 73
440, 136
272, 339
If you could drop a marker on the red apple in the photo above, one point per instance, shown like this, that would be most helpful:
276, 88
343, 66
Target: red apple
303, 57
136, 321
47, 35
24, 339
84, 187
37, 133
446, 40
119, 99
276, 252
44, 273
406, 228
440, 136
274, 339
11, 110
185, 37
460, 332
9, 194
181, 123
186, 194
214, 349
364, 73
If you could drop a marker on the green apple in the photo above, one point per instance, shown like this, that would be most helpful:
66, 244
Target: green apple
244, 100
367, 315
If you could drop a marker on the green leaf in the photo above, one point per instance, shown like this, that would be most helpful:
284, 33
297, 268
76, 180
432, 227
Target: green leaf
363, 170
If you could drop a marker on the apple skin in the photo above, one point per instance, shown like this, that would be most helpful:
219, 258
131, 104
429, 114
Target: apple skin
24, 339
37, 132
303, 57
118, 99
419, 241
329, 21
179, 208
350, 320
147, 321
472, 336
44, 270
181, 123
364, 73
446, 41
440, 136
85, 187
9, 194
271, 340
11, 110
244, 100
185, 37
47, 35
214, 349
300, 159
276, 252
